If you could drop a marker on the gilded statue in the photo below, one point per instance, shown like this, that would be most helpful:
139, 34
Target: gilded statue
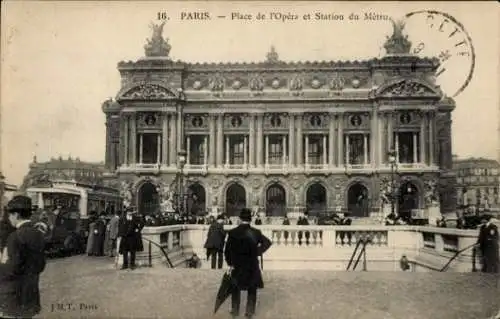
157, 45
397, 43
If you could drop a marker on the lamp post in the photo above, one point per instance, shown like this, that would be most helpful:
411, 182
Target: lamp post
181, 161
392, 161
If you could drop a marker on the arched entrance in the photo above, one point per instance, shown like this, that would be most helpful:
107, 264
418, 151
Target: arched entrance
357, 200
195, 201
236, 199
275, 200
148, 201
408, 199
316, 199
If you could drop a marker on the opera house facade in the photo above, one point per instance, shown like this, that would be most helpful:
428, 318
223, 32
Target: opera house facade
281, 137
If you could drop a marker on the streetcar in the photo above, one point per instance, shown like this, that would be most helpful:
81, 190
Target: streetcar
65, 209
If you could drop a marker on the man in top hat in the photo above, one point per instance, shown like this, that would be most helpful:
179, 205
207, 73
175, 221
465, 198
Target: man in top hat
19, 277
488, 245
215, 242
244, 246
129, 230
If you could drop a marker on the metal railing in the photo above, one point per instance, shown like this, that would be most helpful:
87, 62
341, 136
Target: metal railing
362, 253
150, 257
458, 253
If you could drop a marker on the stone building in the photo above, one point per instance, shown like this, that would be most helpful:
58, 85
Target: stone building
280, 136
58, 169
478, 182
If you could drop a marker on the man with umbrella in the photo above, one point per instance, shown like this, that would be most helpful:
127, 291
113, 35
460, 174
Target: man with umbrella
244, 246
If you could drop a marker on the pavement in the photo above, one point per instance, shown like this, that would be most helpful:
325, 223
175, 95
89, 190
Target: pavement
90, 287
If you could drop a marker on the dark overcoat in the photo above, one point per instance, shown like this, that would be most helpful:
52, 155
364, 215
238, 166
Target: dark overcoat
488, 246
216, 236
130, 233
19, 277
244, 246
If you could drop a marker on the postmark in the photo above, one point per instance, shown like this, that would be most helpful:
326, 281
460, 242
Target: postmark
438, 34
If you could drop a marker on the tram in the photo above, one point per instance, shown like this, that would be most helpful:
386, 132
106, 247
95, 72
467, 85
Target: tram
64, 211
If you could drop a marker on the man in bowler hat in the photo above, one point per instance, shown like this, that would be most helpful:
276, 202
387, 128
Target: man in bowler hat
244, 246
130, 228
20, 276
488, 245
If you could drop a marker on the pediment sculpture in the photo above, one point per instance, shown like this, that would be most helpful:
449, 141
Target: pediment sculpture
148, 91
407, 88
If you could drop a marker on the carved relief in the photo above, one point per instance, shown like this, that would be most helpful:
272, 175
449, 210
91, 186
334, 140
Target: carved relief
149, 120
408, 88
197, 85
275, 121
337, 83
126, 193
316, 121
235, 122
196, 121
316, 83
276, 83
256, 84
216, 83
357, 121
256, 183
216, 184
237, 84
296, 84
148, 91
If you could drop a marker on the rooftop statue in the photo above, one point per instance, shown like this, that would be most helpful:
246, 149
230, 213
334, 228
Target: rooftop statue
272, 56
157, 46
397, 43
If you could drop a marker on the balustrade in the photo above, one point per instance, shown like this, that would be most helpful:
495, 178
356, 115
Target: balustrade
334, 244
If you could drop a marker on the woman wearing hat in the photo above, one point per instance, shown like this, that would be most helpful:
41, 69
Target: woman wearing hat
19, 283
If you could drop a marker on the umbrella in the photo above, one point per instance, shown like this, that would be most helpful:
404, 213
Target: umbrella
226, 288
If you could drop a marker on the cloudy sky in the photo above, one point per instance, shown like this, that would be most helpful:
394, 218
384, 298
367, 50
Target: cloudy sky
59, 62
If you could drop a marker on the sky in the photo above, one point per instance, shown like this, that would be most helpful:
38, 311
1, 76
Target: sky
59, 62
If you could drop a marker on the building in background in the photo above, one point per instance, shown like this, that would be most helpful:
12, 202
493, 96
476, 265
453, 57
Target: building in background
279, 136
42, 174
478, 183
5, 189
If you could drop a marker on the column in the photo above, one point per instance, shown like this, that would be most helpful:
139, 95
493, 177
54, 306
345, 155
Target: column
180, 130
173, 140
258, 159
227, 151
266, 155
396, 147
165, 137
365, 148
374, 137
390, 133
325, 160
291, 140
205, 150
340, 140
331, 141
188, 150
126, 142
220, 141
133, 139
306, 156
211, 149
299, 160
283, 141
158, 149
245, 154
251, 141
431, 139
140, 148
381, 144
347, 160
423, 156
415, 148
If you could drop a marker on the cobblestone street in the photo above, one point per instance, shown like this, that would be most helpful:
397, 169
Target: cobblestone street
94, 289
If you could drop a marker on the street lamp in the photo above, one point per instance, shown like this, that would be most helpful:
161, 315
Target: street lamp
181, 161
392, 160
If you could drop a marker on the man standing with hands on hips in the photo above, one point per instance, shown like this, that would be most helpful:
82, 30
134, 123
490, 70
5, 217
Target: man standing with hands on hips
244, 246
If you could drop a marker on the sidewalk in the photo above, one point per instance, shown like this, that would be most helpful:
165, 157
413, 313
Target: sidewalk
94, 289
